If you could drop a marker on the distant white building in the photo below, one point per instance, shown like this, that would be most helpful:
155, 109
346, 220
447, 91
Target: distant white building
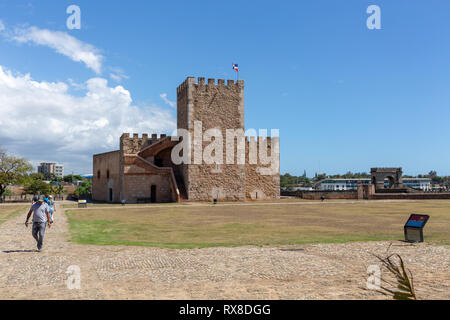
302, 189
51, 167
352, 184
418, 183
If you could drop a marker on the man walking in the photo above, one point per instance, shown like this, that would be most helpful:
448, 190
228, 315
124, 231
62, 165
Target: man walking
36, 197
41, 218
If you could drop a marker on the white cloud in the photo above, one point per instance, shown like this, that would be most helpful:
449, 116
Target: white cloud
63, 43
43, 121
2, 25
118, 77
117, 74
75, 85
167, 101
115, 77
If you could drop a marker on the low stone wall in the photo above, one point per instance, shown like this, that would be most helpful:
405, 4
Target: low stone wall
351, 195
27, 198
316, 195
285, 193
411, 196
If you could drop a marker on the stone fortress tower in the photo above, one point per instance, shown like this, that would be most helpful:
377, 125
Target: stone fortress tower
143, 170
218, 106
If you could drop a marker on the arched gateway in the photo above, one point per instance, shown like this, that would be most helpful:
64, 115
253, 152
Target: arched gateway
393, 175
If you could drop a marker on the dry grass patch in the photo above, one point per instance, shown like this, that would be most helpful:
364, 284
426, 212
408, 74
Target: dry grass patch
190, 226
9, 211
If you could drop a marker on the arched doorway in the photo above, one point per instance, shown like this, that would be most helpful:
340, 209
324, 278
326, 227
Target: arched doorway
390, 182
387, 178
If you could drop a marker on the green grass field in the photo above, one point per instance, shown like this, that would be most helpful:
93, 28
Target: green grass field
7, 212
191, 226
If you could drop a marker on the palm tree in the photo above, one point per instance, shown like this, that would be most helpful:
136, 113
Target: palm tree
58, 190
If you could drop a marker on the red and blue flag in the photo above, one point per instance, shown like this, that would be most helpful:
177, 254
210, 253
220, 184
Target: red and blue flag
235, 67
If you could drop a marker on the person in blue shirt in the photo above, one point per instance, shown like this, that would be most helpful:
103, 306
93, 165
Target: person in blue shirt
51, 207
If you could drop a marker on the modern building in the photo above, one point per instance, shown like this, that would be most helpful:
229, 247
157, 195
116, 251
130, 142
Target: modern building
341, 184
352, 184
418, 183
51, 167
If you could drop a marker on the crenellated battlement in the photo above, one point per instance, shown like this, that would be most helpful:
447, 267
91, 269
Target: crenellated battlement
182, 88
198, 99
191, 81
132, 144
143, 136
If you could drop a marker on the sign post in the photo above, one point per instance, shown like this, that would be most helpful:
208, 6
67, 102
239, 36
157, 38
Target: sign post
414, 227
82, 204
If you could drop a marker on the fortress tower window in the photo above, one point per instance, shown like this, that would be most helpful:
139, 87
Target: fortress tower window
98, 174
107, 174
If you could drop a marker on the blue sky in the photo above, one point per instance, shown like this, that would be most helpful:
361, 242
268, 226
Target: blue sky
343, 97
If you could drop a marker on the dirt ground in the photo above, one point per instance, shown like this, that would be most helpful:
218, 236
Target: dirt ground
316, 271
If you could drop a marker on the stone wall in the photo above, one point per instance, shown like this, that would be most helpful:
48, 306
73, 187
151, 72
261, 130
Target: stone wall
329, 195
365, 192
411, 196
138, 186
100, 182
134, 144
380, 174
258, 185
217, 106
138, 178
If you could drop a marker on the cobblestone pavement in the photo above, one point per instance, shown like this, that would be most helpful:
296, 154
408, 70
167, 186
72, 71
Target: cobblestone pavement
316, 271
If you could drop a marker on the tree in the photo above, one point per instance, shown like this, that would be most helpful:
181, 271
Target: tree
50, 177
35, 183
13, 170
84, 189
432, 174
351, 175
288, 181
320, 176
59, 190
72, 178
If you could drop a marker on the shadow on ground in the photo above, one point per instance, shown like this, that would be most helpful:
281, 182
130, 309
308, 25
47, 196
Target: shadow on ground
18, 251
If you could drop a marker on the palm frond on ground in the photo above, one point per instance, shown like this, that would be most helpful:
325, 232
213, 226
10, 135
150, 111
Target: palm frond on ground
403, 289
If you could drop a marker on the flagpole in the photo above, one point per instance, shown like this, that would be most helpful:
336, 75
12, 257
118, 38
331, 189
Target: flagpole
236, 68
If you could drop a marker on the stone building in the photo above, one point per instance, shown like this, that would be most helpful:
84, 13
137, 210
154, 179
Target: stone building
393, 175
143, 170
